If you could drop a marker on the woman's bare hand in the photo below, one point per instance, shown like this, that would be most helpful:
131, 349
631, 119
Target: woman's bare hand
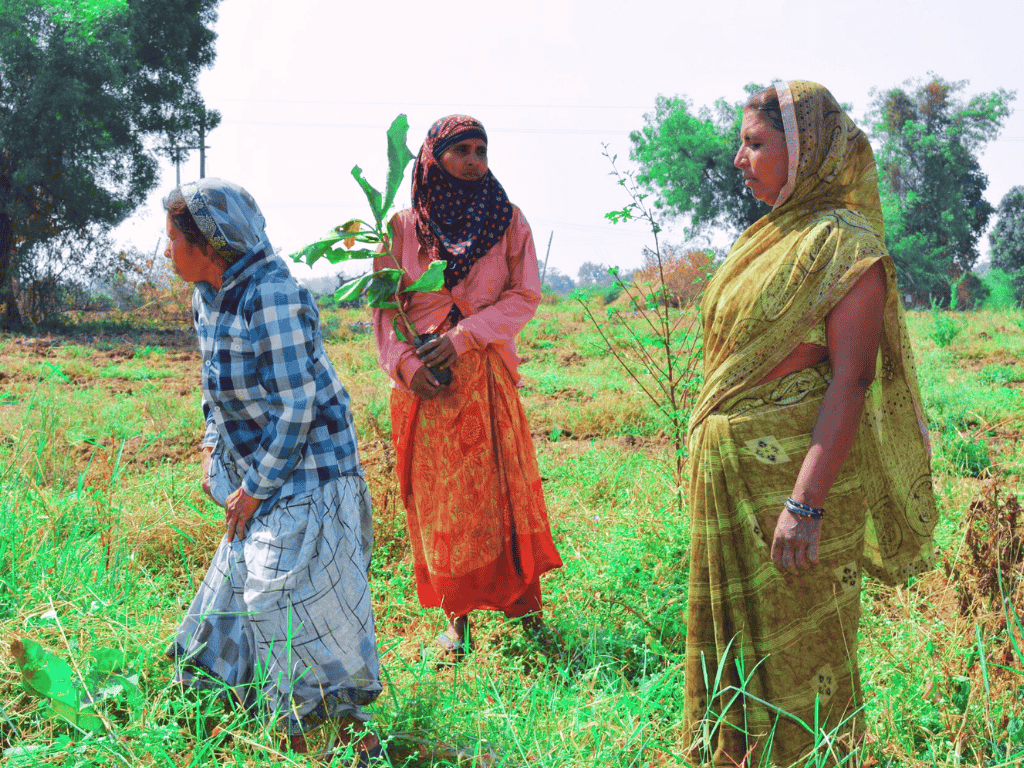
425, 385
795, 544
240, 507
438, 353
206, 457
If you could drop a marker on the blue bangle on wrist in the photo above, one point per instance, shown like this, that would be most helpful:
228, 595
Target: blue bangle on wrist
804, 510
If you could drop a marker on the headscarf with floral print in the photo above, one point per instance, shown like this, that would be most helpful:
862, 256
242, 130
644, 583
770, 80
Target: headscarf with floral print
228, 217
457, 221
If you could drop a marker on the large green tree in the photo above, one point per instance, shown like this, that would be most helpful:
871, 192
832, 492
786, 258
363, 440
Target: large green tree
931, 182
90, 92
1006, 240
685, 157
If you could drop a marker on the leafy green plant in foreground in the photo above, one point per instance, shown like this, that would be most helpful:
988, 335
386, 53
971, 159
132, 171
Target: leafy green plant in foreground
383, 287
76, 696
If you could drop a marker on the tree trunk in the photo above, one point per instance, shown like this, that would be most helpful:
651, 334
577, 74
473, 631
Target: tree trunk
12, 317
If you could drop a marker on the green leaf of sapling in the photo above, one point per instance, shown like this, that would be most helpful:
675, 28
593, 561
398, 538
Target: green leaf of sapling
383, 288
312, 252
338, 255
398, 158
373, 197
351, 290
431, 280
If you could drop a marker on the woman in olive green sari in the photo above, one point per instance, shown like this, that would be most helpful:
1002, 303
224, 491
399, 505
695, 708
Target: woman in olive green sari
809, 449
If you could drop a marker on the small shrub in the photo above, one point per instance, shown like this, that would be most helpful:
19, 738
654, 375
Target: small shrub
1001, 294
946, 327
685, 277
967, 456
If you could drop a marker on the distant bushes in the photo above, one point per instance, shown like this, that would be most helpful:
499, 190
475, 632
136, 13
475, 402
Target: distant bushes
1002, 293
685, 274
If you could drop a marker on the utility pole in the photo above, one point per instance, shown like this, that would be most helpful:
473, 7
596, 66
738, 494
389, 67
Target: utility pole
176, 151
202, 143
548, 256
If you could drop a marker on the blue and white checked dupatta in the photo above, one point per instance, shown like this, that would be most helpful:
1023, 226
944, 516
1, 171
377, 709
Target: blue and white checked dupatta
271, 397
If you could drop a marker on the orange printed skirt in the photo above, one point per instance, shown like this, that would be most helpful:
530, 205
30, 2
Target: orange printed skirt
468, 475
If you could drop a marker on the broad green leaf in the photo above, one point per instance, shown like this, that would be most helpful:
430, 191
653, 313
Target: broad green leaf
431, 280
398, 331
382, 290
312, 252
49, 676
352, 289
373, 197
338, 255
324, 249
398, 158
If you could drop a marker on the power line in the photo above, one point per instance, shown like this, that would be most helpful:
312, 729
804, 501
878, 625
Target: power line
432, 104
581, 131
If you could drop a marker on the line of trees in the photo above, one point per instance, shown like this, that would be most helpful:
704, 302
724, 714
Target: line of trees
928, 136
91, 94
589, 275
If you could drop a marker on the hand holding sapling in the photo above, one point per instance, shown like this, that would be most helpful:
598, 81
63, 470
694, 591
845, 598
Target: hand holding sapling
438, 354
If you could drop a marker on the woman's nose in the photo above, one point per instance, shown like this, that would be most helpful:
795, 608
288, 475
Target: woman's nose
738, 160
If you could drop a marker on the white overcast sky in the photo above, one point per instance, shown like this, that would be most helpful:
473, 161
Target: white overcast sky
308, 87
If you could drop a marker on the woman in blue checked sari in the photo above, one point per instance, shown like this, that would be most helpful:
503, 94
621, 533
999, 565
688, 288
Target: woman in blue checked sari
282, 621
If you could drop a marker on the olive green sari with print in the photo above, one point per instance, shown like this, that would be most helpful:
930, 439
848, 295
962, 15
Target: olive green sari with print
771, 658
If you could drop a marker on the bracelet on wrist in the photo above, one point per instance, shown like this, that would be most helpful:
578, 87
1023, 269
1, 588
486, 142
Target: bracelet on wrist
804, 510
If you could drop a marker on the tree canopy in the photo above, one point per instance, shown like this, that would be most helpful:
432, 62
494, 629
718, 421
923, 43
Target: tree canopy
87, 91
685, 156
1006, 239
928, 134
931, 182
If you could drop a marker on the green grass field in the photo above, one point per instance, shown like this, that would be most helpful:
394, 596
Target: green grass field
105, 533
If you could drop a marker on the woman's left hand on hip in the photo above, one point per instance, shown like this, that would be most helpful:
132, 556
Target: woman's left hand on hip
438, 353
238, 510
795, 544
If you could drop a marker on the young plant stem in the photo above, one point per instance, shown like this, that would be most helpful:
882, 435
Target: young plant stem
672, 376
410, 328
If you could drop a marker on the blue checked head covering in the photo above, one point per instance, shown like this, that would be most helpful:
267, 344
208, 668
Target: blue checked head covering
227, 216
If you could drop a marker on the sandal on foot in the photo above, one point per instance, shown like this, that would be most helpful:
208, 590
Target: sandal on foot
452, 651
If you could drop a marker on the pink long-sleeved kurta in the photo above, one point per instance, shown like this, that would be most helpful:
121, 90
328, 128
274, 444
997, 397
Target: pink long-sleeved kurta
502, 288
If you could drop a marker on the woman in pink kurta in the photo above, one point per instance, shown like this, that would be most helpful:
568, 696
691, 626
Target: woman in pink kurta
466, 465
